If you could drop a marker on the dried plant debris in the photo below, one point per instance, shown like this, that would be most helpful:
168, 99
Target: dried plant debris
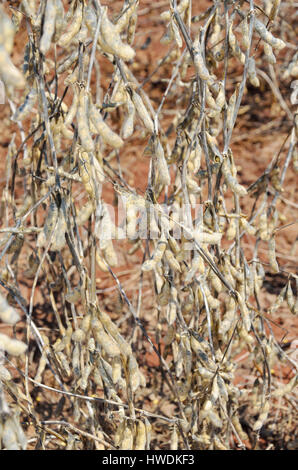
197, 240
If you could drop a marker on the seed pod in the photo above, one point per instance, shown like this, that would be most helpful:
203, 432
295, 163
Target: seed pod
174, 439
112, 329
60, 346
175, 33
140, 441
244, 312
148, 432
76, 360
127, 438
290, 299
228, 318
103, 129
42, 365
183, 5
113, 40
74, 27
231, 181
199, 64
142, 111
4, 375
159, 250
128, 122
222, 388
262, 417
83, 126
238, 427
163, 172
272, 255
7, 31
109, 253
252, 75
236, 51
119, 432
84, 213
105, 341
123, 21
278, 302
12, 346
116, 369
9, 437
205, 373
245, 33
78, 335
148, 265
48, 26
215, 281
73, 108
245, 225
85, 375
267, 36
10, 75
172, 261
7, 313
133, 373
263, 226
86, 175
269, 56
51, 220
59, 20
131, 30
26, 108
164, 296
59, 240
295, 159
208, 238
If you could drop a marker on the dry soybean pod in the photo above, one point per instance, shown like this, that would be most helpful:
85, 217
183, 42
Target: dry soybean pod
142, 111
59, 20
103, 129
10, 75
23, 111
48, 26
83, 125
74, 27
272, 255
112, 38
267, 36
163, 172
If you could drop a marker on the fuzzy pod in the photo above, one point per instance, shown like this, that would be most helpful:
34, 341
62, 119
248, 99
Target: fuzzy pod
112, 39
73, 28
48, 26
83, 125
7, 313
101, 127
